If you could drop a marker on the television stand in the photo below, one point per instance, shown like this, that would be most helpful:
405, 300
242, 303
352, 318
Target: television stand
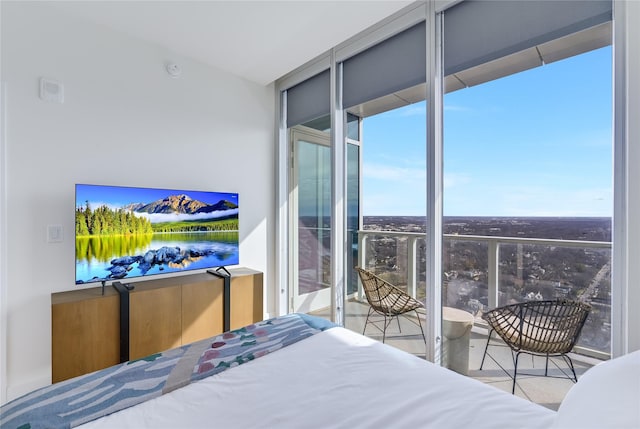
163, 314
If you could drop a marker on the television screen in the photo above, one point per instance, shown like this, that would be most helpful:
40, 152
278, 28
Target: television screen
123, 232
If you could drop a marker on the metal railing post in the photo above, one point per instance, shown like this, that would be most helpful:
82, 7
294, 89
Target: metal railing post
362, 259
492, 275
412, 266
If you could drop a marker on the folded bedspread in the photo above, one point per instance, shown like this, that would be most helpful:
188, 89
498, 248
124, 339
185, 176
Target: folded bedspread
72, 402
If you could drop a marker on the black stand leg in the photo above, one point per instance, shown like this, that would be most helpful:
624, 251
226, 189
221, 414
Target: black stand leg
123, 292
224, 274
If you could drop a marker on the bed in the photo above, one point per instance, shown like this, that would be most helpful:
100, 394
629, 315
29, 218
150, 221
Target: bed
294, 371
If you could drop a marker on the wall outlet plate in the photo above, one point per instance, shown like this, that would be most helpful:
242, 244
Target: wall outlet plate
51, 90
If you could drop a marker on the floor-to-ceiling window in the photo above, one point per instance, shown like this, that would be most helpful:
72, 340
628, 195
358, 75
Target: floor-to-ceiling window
392, 147
528, 159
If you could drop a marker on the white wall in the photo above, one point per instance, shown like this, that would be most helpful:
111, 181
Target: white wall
124, 121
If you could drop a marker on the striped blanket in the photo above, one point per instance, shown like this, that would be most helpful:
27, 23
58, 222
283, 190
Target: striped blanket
76, 401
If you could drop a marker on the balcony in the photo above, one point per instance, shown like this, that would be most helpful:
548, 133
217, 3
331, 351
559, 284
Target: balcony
482, 272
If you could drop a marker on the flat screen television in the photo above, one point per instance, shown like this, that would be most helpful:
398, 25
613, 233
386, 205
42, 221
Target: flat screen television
124, 232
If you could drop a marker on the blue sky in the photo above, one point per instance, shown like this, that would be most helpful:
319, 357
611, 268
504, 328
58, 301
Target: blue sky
116, 196
537, 143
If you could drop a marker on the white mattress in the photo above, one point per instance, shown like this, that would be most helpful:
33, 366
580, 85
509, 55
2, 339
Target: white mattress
335, 379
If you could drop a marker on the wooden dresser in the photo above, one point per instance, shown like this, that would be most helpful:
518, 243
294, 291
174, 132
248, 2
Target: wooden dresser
163, 313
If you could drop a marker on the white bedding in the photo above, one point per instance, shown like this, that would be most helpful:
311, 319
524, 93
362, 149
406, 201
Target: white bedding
335, 379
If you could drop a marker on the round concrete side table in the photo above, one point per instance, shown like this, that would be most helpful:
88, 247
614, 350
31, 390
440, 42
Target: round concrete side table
456, 328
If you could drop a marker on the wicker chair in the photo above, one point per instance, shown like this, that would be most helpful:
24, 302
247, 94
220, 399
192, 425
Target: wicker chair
387, 301
539, 328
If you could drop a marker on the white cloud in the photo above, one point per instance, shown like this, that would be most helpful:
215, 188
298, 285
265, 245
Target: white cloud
453, 180
393, 173
178, 217
394, 191
396, 202
514, 200
456, 108
559, 202
419, 109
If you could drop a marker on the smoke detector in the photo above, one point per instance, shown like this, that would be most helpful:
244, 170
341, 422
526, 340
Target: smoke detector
174, 70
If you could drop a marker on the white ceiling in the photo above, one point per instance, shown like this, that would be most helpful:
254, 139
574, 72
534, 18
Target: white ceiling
257, 40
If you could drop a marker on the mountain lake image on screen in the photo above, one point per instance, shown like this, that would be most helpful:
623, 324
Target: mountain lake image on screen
126, 232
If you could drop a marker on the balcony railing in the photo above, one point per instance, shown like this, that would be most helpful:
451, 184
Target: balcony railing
482, 272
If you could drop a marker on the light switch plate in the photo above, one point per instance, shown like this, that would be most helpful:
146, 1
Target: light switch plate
54, 234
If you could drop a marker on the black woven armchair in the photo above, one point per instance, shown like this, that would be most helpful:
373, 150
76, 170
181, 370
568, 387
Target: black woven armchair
387, 300
541, 328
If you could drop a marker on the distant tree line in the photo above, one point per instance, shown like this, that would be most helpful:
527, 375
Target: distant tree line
197, 226
105, 221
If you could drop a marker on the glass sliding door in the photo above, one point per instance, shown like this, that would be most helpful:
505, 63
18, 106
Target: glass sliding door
311, 221
308, 189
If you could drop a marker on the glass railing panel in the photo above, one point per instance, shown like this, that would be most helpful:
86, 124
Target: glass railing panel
465, 274
399, 258
387, 258
421, 267
540, 272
